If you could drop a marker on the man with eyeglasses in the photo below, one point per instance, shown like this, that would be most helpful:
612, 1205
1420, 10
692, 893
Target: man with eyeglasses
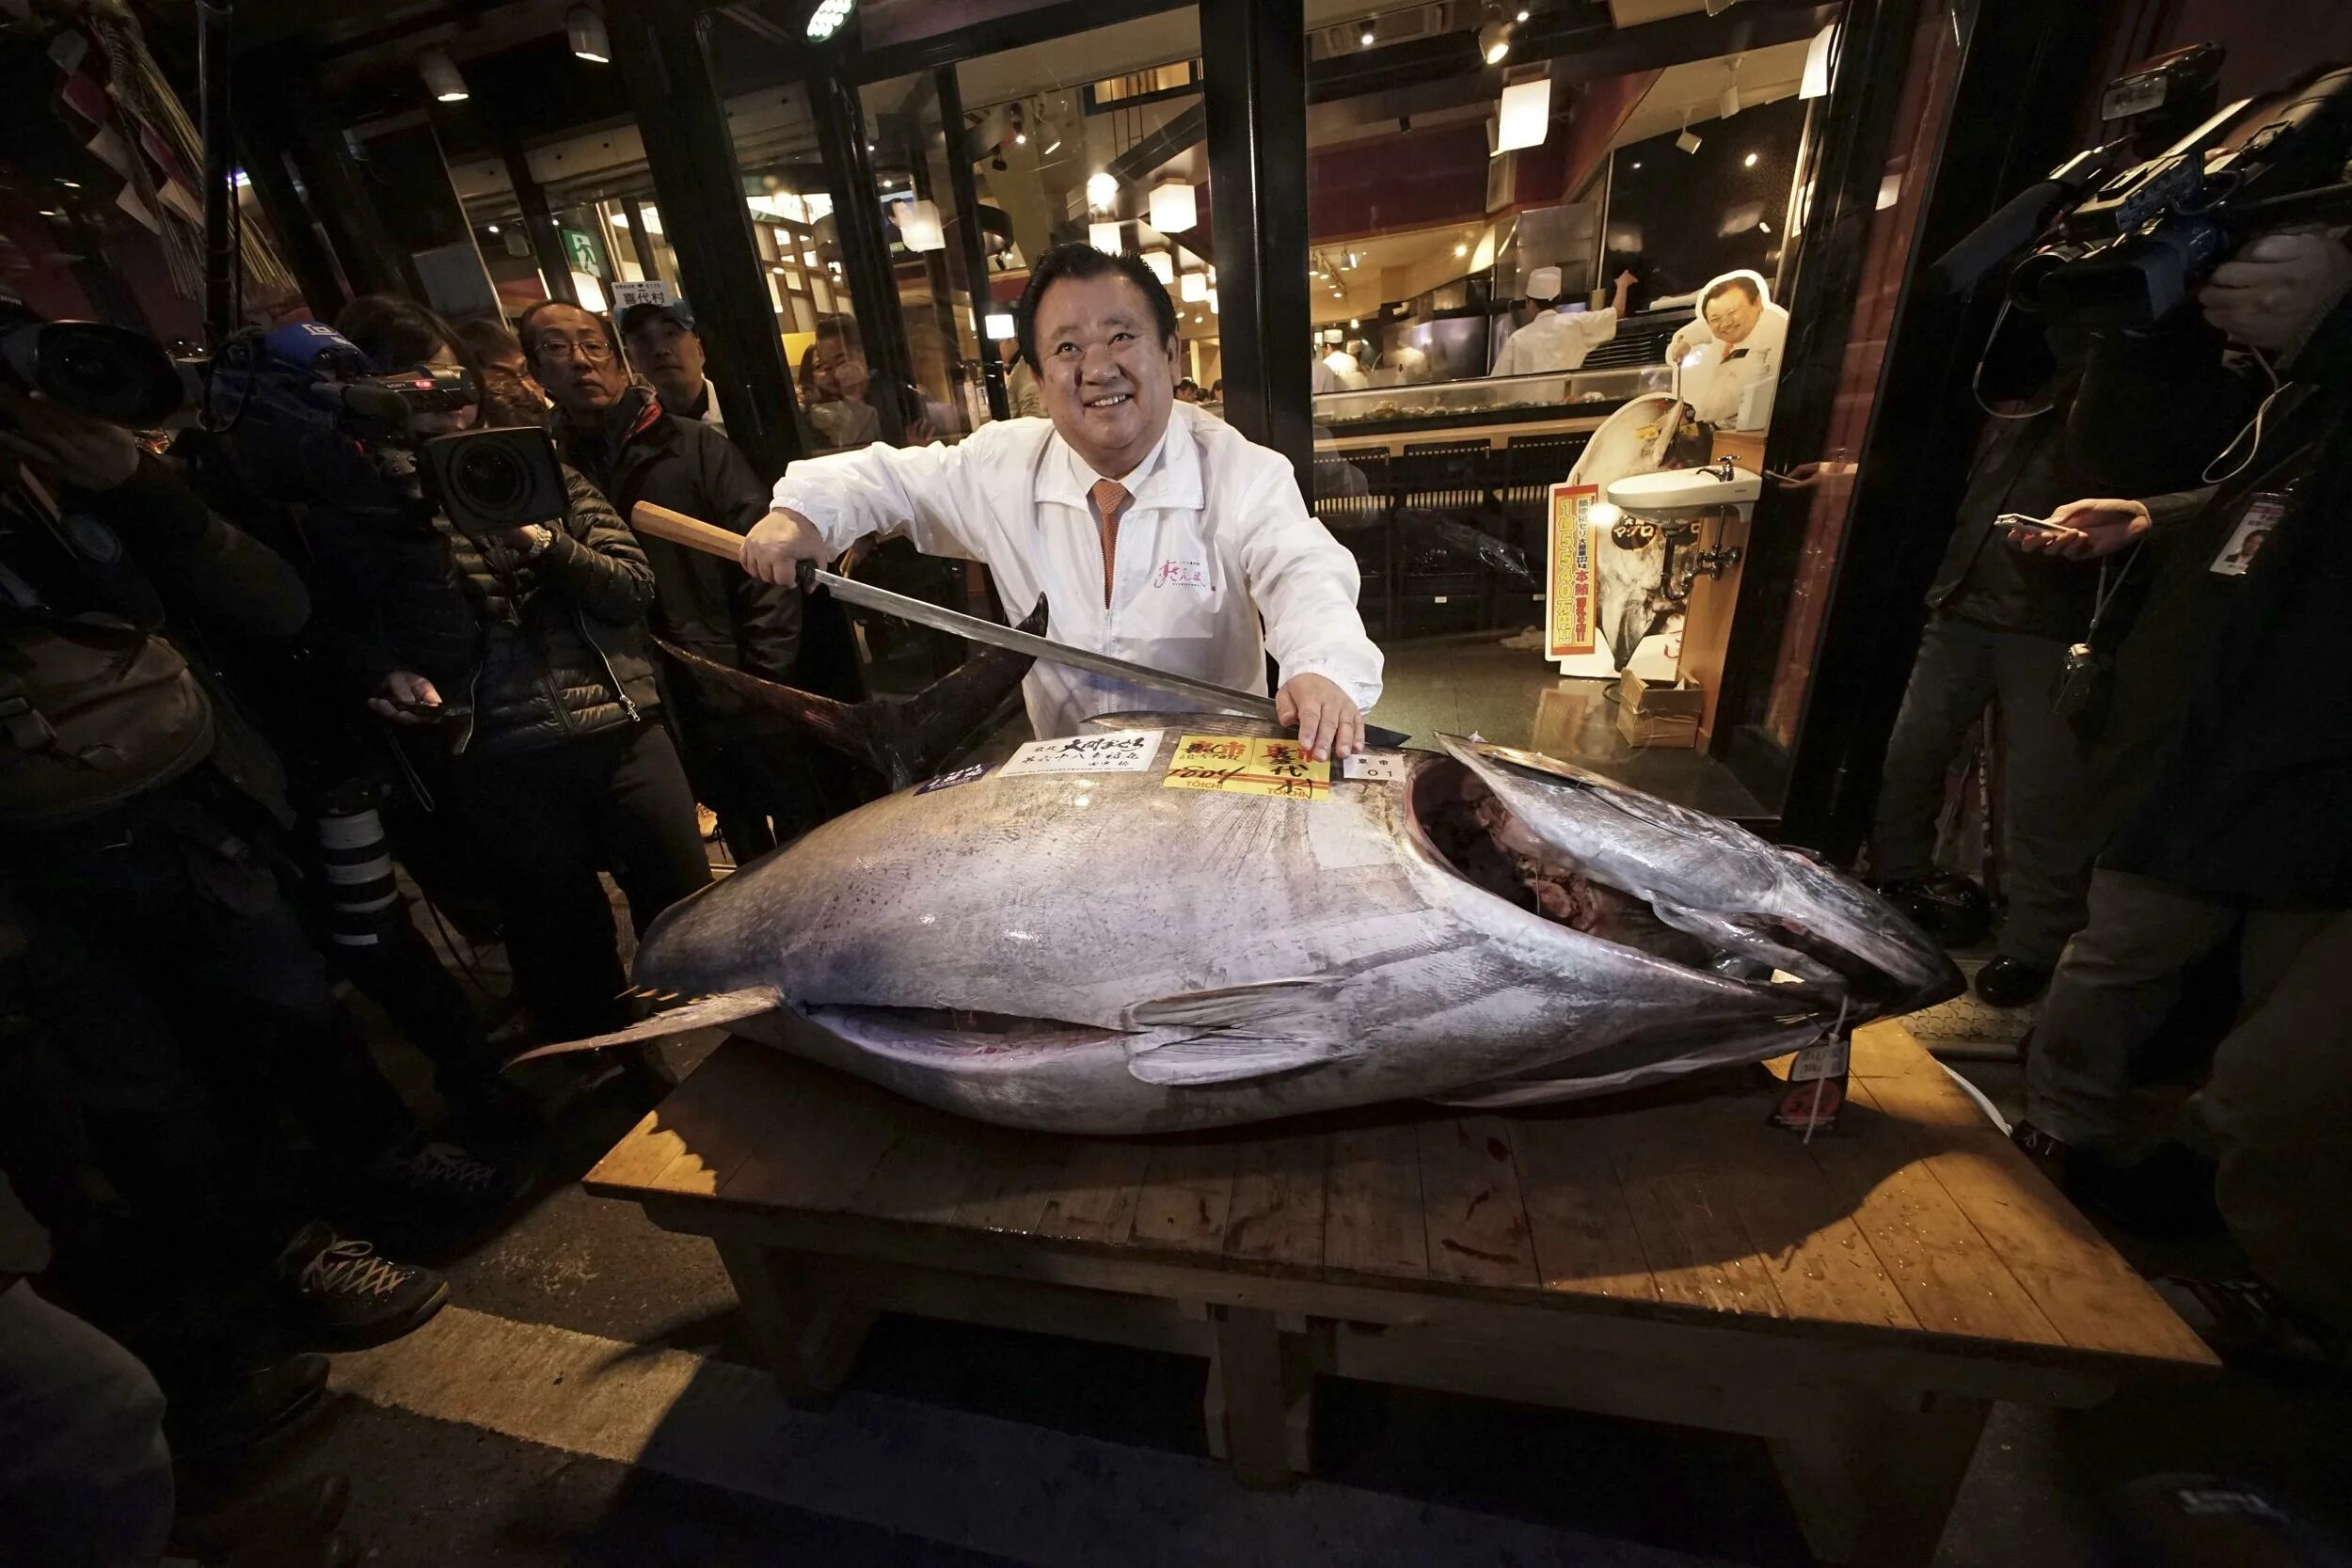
633, 449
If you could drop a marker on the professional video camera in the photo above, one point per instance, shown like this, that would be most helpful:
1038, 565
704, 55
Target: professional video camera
2122, 238
298, 412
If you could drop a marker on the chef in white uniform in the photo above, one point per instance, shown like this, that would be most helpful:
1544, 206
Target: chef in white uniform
1559, 339
1731, 354
1156, 532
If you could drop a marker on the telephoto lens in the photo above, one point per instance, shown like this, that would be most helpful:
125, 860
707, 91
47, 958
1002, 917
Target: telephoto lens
356, 866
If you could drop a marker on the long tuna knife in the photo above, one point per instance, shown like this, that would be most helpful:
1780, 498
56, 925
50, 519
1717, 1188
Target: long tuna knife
695, 534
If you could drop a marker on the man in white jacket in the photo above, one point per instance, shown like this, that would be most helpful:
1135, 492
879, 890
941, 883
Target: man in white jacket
1155, 531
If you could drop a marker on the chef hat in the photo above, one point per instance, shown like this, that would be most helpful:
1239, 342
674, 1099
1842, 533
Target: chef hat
1544, 284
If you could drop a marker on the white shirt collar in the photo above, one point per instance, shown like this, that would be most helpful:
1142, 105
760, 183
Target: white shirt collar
1170, 474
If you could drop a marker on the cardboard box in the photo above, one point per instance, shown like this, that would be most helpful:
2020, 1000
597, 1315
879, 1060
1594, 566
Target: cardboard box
1658, 715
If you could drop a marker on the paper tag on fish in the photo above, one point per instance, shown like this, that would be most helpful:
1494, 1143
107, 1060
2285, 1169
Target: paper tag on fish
949, 781
1364, 766
1112, 752
1247, 764
1821, 1061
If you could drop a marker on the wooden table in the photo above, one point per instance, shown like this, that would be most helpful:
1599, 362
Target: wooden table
1857, 1302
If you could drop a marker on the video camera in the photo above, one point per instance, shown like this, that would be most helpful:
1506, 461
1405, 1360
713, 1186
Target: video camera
299, 412
2121, 239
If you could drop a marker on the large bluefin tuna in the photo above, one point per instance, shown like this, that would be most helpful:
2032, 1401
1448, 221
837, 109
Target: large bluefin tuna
1099, 953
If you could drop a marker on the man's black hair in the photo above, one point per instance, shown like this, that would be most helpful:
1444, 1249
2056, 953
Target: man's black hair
397, 333
1739, 281
528, 326
1076, 260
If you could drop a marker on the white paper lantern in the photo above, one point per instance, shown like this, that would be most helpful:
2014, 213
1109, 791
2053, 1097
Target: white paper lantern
920, 227
1526, 116
1103, 237
1162, 265
1000, 327
1193, 286
1815, 80
1174, 207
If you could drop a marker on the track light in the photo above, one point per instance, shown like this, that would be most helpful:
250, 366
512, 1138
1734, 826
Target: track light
1368, 37
1494, 37
440, 77
583, 29
1686, 141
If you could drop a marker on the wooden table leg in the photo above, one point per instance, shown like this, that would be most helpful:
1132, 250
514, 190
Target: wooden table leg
1874, 1488
807, 1332
1260, 1406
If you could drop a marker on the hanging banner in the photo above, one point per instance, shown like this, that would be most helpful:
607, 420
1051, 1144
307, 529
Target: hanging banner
1568, 597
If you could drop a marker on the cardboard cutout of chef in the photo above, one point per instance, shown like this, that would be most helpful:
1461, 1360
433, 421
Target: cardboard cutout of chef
1729, 356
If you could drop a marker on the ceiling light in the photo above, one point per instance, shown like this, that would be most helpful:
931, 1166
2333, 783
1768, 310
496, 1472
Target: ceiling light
1102, 190
1525, 116
1494, 37
826, 18
1355, 321
1162, 265
1193, 286
1728, 105
999, 326
1637, 162
1686, 141
1367, 38
919, 226
1174, 207
1522, 16
1764, 226
1816, 82
1211, 299
440, 77
1461, 248
1021, 139
583, 29
1748, 162
494, 229
1103, 237
1053, 147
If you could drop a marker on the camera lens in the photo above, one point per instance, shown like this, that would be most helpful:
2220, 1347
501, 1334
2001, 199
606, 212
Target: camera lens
490, 478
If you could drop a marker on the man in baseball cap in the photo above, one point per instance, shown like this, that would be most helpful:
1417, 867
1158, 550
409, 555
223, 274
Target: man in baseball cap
665, 348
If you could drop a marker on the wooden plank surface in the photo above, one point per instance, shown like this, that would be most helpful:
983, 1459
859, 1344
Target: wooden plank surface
1577, 1219
1372, 1203
702, 1132
1093, 1197
1275, 1214
1471, 1204
1682, 1196
1187, 1196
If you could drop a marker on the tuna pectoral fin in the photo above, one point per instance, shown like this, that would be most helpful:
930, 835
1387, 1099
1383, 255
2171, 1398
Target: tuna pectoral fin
703, 1012
1219, 1036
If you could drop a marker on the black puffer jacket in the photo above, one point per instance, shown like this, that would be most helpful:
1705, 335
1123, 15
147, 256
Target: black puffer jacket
525, 655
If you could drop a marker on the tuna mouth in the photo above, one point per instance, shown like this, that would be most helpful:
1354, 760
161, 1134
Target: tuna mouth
1831, 935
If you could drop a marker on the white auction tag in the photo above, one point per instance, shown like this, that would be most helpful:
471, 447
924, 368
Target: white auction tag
1827, 1060
1112, 752
1365, 766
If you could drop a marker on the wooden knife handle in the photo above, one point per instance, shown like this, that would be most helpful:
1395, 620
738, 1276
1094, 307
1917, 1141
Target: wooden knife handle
679, 529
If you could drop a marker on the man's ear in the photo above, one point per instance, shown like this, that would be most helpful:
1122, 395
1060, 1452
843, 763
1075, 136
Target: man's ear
1175, 346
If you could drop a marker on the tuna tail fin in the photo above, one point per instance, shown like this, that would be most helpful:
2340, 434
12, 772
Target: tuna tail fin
903, 741
703, 1012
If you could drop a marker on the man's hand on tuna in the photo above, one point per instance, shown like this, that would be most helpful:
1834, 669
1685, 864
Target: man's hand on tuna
1330, 724
777, 544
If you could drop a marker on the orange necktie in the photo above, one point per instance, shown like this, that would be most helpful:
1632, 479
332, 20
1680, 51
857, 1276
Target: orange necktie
1109, 496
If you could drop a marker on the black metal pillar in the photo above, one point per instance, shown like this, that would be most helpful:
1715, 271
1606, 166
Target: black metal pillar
297, 232
1256, 99
638, 240
864, 246
661, 48
291, 117
546, 245
214, 42
973, 243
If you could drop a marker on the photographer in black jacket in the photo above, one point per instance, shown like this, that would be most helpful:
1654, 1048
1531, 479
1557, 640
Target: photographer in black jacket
2227, 761
517, 665
743, 765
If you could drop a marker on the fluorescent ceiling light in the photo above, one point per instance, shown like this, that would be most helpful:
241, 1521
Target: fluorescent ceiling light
1525, 114
583, 29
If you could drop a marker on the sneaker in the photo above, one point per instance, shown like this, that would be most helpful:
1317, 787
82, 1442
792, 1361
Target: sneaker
446, 1175
2010, 982
1950, 907
2245, 1321
2165, 1195
705, 822
348, 1297
231, 1417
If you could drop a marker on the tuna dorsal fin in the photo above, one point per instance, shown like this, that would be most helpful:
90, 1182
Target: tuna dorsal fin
703, 1012
903, 741
1238, 1032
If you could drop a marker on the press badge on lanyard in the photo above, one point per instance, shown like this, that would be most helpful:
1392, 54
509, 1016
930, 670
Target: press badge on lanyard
2261, 514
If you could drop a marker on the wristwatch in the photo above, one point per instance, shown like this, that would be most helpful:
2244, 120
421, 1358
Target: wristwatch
541, 537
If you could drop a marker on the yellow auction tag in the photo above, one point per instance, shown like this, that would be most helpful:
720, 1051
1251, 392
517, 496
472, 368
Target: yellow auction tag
1245, 765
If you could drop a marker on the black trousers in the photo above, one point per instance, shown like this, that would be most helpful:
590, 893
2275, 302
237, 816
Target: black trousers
546, 822
763, 789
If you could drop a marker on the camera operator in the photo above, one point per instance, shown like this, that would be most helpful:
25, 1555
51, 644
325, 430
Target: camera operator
633, 447
515, 665
2232, 818
2134, 414
139, 825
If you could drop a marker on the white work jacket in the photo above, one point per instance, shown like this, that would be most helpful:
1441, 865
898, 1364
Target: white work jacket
1215, 538
1556, 341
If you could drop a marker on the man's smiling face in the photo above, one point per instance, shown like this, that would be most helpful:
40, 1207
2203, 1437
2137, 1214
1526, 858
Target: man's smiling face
1107, 378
